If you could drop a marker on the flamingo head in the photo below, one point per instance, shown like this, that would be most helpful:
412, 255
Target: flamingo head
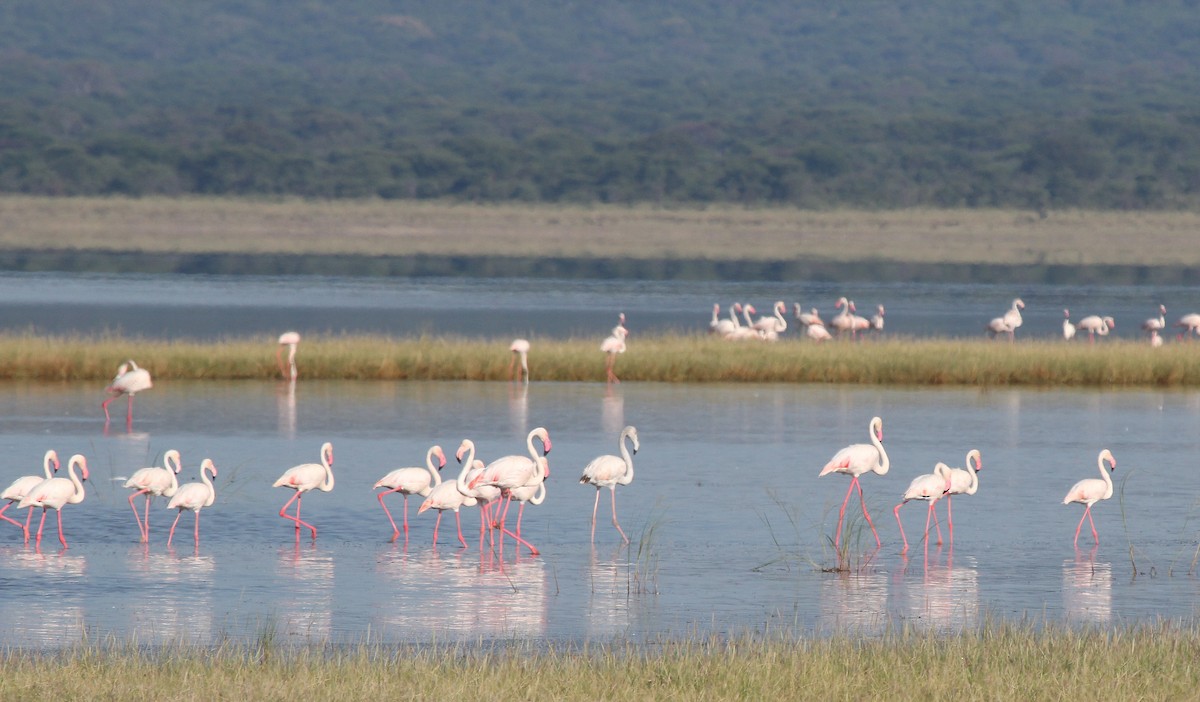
327, 452
1107, 456
1019, 303
1109, 321
463, 449
1066, 313
79, 460
1162, 309
877, 427
441, 456
208, 464
977, 458
750, 309
544, 435
840, 303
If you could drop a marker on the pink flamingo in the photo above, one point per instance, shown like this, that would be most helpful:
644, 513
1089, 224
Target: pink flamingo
194, 497
511, 472
1190, 323
1095, 324
411, 481
153, 481
289, 339
448, 496
21, 486
775, 323
929, 487
612, 346
305, 477
877, 318
129, 381
519, 348
817, 332
963, 481
1089, 491
854, 460
844, 320
485, 495
608, 471
56, 492
806, 318
718, 326
1008, 323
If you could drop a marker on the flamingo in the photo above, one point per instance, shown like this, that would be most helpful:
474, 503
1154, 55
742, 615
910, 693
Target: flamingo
21, 486
1068, 328
128, 381
612, 346
1095, 324
1190, 324
963, 481
620, 328
742, 332
817, 332
1012, 317
930, 487
485, 495
722, 327
807, 318
411, 481
997, 326
447, 495
775, 323
520, 349
194, 496
1156, 324
56, 492
1089, 491
857, 322
511, 472
608, 471
305, 477
153, 481
1156, 339
854, 460
289, 339
844, 320
877, 318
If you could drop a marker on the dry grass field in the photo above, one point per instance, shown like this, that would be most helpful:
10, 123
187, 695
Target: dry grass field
384, 228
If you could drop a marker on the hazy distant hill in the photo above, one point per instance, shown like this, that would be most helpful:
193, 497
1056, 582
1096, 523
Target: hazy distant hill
875, 104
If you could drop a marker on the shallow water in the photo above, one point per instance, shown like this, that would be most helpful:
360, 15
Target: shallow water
729, 522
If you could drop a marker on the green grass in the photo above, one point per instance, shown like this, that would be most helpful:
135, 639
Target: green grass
668, 358
997, 661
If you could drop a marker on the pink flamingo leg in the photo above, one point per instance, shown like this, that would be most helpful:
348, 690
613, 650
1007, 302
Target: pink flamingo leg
928, 514
532, 551
395, 531
7, 518
950, 517
61, 540
436, 524
41, 525
458, 523
935, 523
143, 532
299, 522
1087, 513
196, 531
172, 534
104, 406
28, 521
862, 501
842, 512
146, 521
594, 508
902, 536
613, 491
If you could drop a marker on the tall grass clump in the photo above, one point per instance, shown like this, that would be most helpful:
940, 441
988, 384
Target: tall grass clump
669, 358
996, 661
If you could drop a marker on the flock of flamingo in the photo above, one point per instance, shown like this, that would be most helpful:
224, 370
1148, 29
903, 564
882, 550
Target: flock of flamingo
519, 478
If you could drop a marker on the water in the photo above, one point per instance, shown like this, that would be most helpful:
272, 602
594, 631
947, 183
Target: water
209, 307
728, 518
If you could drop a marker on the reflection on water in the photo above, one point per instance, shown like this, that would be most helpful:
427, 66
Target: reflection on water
518, 407
305, 592
611, 582
171, 599
939, 597
285, 400
55, 615
854, 603
612, 411
1087, 589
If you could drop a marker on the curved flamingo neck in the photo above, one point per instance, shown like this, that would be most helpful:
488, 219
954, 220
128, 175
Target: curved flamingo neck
327, 462
539, 495
50, 457
435, 476
174, 464
467, 464
733, 317
1104, 473
884, 462
625, 455
205, 468
76, 461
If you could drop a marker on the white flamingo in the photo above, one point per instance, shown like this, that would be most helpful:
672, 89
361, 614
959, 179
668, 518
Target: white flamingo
719, 326
1096, 325
609, 471
854, 460
291, 340
806, 318
55, 493
448, 496
612, 346
929, 487
510, 472
303, 478
1012, 318
520, 350
775, 323
485, 495
1154, 325
411, 481
817, 332
1089, 491
963, 481
151, 482
129, 381
1190, 323
877, 318
21, 486
843, 321
1068, 328
194, 497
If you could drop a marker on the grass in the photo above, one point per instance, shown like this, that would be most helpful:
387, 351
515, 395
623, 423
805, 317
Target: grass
667, 358
725, 233
996, 661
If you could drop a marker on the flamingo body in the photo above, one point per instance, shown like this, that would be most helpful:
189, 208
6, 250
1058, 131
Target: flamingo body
929, 487
855, 460
609, 471
55, 493
129, 381
303, 478
194, 497
153, 481
290, 340
20, 487
520, 358
1089, 491
411, 481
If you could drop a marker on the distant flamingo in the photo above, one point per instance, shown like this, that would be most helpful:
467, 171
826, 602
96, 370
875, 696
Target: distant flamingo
305, 477
963, 481
1190, 323
153, 481
1156, 339
741, 332
1154, 325
877, 318
718, 326
817, 332
289, 339
806, 318
1095, 324
608, 471
1012, 318
929, 487
194, 496
844, 320
854, 460
448, 496
612, 346
129, 381
1089, 491
21, 486
519, 349
1068, 328
57, 492
411, 481
997, 326
775, 323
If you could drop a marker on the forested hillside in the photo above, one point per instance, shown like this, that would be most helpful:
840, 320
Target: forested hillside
1028, 103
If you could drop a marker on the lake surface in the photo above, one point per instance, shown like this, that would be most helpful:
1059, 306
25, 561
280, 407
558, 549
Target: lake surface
210, 307
729, 521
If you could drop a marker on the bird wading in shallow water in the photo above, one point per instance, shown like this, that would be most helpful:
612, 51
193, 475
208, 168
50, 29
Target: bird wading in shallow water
854, 460
305, 477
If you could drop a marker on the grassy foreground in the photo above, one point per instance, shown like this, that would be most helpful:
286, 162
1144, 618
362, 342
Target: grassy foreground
668, 358
1015, 662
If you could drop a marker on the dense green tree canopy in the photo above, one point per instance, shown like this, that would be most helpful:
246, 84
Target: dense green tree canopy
815, 104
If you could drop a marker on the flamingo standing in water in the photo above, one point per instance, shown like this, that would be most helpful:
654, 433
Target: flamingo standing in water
411, 481
153, 481
511, 472
929, 487
449, 496
520, 350
608, 471
1095, 324
1089, 491
963, 481
305, 477
129, 381
1068, 328
485, 495
289, 339
854, 460
57, 492
21, 486
194, 497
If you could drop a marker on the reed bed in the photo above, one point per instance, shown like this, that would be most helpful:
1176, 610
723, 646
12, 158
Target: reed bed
996, 661
665, 358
